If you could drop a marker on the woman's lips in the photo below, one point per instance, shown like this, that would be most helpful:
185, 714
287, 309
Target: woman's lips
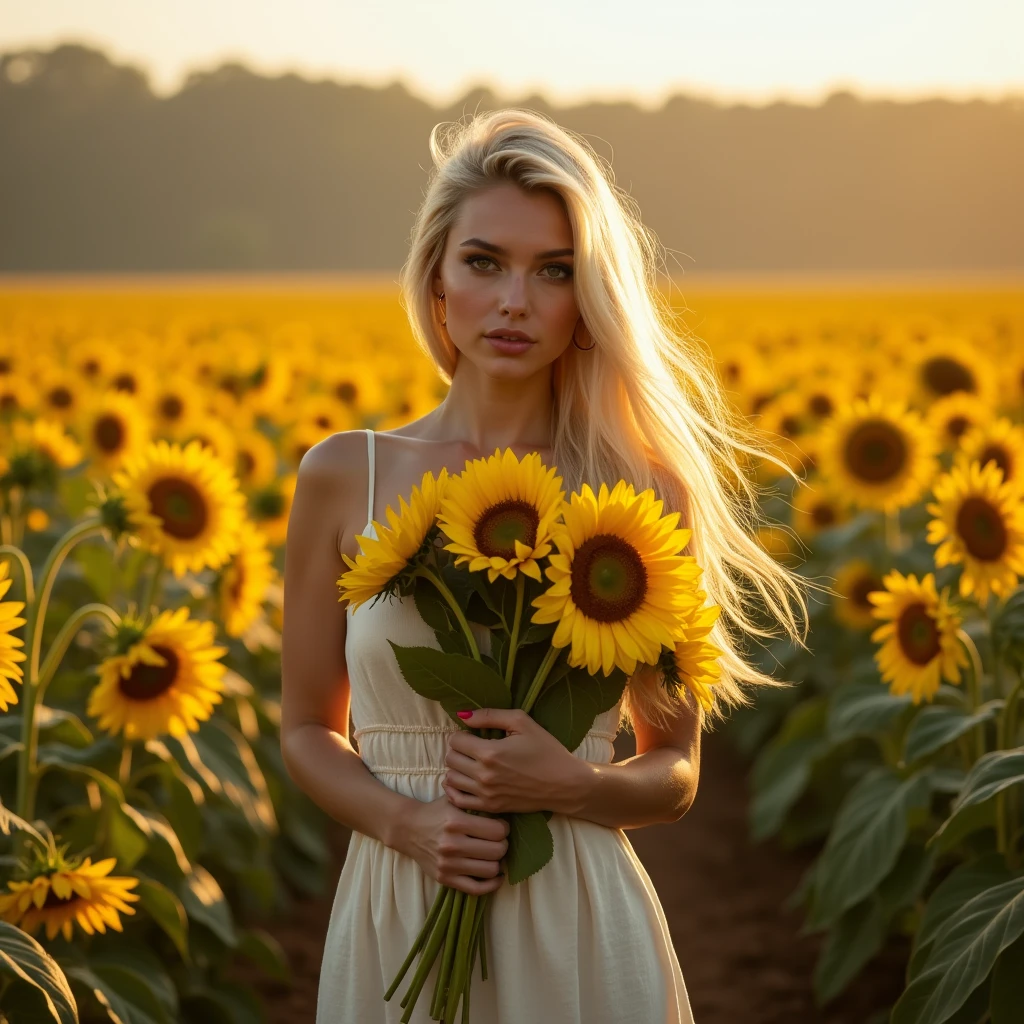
508, 346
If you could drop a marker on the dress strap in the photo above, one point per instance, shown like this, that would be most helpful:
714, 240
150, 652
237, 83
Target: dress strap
370, 459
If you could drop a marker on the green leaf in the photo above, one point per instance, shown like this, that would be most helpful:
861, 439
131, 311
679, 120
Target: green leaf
530, 845
1007, 992
9, 820
204, 901
454, 680
568, 707
938, 724
432, 606
965, 949
38, 986
223, 761
863, 709
129, 966
266, 952
963, 883
866, 838
990, 774
778, 778
1008, 631
162, 842
124, 997
167, 911
228, 1003
855, 939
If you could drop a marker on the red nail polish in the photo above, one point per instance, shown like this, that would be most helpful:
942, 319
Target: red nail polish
465, 714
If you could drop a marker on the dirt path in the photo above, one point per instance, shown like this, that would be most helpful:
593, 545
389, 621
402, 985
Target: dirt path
742, 957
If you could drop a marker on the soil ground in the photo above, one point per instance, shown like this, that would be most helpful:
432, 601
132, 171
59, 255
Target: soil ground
743, 959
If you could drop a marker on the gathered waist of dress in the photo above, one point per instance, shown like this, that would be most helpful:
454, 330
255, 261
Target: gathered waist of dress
391, 748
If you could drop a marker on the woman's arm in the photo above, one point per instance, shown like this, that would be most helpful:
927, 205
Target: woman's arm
314, 679
529, 770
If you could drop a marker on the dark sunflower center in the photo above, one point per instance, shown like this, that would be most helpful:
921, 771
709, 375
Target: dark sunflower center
823, 514
498, 529
246, 463
982, 529
876, 451
346, 391
147, 682
860, 590
237, 579
268, 505
790, 426
180, 506
609, 579
944, 375
125, 382
171, 407
323, 422
820, 405
918, 634
956, 425
5, 366
995, 453
90, 367
9, 401
108, 432
60, 398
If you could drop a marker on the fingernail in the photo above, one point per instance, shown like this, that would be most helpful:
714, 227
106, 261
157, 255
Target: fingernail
465, 714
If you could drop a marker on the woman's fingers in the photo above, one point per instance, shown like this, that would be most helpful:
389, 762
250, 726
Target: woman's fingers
474, 886
483, 827
483, 849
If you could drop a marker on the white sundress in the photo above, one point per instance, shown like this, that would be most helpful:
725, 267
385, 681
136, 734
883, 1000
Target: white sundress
582, 941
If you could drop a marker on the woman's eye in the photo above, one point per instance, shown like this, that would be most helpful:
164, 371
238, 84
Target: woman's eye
562, 267
475, 259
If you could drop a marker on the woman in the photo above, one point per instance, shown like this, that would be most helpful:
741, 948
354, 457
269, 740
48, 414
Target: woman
522, 235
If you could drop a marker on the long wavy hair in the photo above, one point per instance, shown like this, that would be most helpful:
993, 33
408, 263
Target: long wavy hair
645, 404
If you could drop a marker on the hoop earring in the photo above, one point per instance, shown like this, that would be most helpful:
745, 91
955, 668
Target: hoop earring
444, 318
581, 347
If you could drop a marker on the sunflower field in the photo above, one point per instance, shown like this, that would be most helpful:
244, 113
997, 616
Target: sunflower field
149, 443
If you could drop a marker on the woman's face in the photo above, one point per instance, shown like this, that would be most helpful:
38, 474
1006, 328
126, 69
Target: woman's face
508, 265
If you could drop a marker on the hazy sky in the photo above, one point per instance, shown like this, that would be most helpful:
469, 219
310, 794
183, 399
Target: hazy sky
565, 49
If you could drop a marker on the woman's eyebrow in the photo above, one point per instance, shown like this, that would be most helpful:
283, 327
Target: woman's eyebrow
479, 243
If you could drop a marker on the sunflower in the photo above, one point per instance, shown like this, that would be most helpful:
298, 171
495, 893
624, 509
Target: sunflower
878, 452
784, 419
854, 581
951, 417
255, 458
270, 507
184, 503
134, 377
112, 426
243, 582
692, 661
945, 364
921, 646
618, 582
213, 433
60, 892
350, 383
386, 560
814, 510
36, 452
1001, 442
17, 395
175, 403
980, 523
10, 620
499, 513
61, 393
92, 358
162, 678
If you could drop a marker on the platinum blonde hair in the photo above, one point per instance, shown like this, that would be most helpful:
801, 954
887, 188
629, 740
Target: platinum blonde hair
644, 405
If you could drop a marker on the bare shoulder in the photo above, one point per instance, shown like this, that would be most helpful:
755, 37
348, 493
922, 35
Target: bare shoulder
331, 485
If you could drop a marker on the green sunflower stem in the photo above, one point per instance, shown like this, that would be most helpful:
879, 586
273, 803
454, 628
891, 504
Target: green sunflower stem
513, 644
63, 639
893, 535
974, 689
27, 582
542, 673
430, 952
35, 619
454, 605
1006, 808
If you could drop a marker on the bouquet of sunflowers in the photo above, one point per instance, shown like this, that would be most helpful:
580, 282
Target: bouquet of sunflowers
617, 594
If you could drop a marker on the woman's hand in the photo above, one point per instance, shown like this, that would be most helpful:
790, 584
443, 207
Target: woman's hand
527, 770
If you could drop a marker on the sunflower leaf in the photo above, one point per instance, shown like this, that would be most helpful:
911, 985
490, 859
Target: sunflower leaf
432, 606
39, 990
204, 901
1008, 630
568, 706
936, 725
456, 681
166, 910
990, 774
530, 846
